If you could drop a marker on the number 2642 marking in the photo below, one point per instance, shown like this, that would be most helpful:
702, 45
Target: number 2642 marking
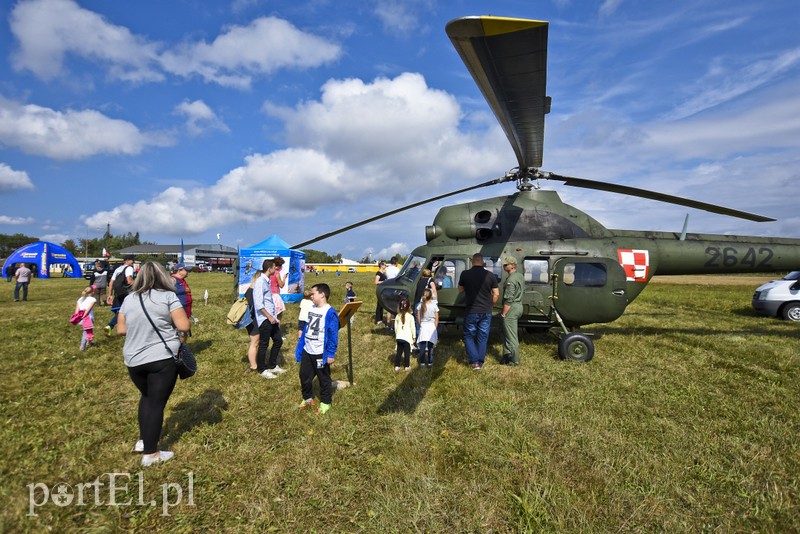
731, 257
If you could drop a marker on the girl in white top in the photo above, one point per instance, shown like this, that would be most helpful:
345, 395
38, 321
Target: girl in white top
86, 304
405, 333
428, 315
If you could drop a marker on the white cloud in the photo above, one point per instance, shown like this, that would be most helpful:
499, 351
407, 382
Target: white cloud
394, 249
56, 238
393, 129
398, 17
49, 30
609, 7
264, 46
723, 82
5, 219
199, 117
357, 140
70, 134
11, 179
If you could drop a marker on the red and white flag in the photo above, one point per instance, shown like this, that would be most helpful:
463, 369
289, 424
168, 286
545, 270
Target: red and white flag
105, 253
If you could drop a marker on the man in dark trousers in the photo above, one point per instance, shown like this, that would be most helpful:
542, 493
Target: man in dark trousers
481, 291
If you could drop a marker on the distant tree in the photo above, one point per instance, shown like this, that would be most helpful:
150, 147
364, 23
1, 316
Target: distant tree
317, 256
9, 243
366, 259
70, 245
338, 258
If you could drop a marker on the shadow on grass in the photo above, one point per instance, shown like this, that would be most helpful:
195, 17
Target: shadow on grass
206, 408
200, 346
409, 393
658, 331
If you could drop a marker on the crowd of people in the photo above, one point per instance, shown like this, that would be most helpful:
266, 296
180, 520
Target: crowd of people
153, 310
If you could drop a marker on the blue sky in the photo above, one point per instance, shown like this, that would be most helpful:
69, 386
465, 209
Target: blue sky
187, 119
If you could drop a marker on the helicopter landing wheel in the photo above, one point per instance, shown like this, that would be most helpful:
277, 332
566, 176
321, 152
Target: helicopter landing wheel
576, 348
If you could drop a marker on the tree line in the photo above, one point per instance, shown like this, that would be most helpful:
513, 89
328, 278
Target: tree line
92, 248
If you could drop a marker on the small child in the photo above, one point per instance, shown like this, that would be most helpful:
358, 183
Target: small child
86, 304
305, 306
350, 296
316, 349
428, 314
404, 331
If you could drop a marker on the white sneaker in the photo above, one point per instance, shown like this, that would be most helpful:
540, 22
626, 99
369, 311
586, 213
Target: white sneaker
139, 447
277, 370
269, 374
162, 456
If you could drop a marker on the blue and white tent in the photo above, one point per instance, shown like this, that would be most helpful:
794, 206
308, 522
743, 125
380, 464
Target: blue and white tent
251, 258
43, 254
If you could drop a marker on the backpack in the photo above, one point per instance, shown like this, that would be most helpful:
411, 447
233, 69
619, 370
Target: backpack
239, 310
121, 286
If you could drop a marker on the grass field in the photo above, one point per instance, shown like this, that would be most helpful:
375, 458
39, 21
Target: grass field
686, 420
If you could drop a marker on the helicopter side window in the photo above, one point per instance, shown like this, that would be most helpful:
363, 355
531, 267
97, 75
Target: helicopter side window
585, 274
448, 272
535, 271
494, 265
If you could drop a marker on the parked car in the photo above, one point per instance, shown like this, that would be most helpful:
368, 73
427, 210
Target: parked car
779, 298
351, 269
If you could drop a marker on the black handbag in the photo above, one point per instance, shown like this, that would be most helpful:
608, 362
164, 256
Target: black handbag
184, 360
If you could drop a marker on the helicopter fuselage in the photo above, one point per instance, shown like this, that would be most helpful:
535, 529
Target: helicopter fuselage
576, 271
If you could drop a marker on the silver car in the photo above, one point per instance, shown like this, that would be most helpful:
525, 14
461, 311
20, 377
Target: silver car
779, 298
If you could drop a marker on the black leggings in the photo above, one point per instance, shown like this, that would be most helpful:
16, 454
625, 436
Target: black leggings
155, 380
404, 352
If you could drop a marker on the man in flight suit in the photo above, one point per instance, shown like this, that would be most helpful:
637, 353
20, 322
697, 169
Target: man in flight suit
513, 289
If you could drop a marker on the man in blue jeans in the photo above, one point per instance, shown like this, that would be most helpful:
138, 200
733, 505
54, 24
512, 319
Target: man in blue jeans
481, 292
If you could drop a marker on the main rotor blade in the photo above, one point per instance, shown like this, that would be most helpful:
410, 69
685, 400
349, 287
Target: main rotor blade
652, 195
507, 58
398, 210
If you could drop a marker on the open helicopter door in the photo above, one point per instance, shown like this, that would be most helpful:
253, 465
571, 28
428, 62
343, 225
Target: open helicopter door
589, 290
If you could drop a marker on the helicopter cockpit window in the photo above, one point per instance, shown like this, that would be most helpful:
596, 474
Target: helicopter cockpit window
535, 271
585, 274
412, 267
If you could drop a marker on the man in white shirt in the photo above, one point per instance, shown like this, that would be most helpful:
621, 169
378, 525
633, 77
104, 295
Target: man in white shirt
23, 278
269, 328
392, 270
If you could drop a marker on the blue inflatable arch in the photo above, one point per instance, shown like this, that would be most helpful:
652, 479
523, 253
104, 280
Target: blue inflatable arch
43, 254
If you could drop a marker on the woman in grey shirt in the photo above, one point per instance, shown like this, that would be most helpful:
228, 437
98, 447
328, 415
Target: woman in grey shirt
150, 366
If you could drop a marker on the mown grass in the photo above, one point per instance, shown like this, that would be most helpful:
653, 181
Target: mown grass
686, 420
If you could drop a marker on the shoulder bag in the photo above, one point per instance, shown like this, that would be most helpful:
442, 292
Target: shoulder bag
184, 360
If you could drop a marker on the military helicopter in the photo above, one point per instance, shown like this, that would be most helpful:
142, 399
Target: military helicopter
576, 271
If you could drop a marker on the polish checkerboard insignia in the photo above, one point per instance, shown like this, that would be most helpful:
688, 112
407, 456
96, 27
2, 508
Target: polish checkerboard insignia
636, 264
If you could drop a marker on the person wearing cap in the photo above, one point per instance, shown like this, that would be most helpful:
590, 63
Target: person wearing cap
180, 272
513, 288
120, 284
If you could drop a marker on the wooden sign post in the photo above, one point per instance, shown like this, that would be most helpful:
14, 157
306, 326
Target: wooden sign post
345, 314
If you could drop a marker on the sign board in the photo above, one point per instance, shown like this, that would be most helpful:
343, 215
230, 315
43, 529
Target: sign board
347, 311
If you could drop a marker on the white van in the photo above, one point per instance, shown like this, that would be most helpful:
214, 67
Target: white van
780, 298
